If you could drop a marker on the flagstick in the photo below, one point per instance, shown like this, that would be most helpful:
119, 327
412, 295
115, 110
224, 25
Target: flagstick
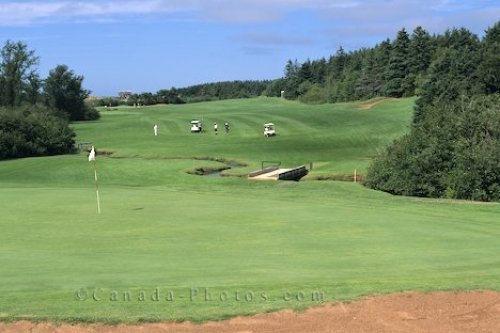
97, 190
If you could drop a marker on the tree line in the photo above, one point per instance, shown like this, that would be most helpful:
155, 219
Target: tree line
396, 68
204, 92
453, 148
35, 112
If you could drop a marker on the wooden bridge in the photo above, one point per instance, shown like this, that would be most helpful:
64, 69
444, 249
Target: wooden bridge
276, 173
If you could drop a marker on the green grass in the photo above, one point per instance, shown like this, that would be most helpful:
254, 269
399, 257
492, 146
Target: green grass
275, 243
337, 138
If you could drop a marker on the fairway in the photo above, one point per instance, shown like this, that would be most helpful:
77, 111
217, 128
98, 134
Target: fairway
169, 245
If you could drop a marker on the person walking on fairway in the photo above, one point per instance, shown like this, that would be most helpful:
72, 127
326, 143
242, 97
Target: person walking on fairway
155, 129
226, 127
215, 128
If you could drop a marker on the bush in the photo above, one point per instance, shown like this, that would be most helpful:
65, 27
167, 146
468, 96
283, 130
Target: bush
315, 95
33, 131
91, 113
453, 151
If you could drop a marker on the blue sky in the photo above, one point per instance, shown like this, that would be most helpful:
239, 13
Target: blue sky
148, 45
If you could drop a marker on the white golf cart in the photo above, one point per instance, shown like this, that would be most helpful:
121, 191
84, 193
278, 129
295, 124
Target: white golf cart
196, 126
269, 130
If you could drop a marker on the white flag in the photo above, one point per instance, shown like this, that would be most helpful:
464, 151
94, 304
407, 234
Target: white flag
92, 154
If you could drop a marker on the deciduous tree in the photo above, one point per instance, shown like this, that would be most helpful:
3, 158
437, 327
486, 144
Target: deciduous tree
16, 68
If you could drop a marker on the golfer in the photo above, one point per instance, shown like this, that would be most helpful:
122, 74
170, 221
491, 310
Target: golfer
155, 129
215, 128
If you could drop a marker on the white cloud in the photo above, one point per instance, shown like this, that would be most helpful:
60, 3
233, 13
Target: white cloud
248, 11
243, 11
30, 12
376, 20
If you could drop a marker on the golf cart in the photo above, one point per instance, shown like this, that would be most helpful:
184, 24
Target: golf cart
269, 130
195, 126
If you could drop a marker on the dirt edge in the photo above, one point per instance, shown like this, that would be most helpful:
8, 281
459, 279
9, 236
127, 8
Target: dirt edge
475, 311
371, 103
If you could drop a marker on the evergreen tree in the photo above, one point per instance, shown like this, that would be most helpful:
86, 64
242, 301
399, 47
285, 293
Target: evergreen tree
365, 87
489, 69
476, 156
63, 92
453, 73
398, 83
318, 71
352, 76
337, 64
305, 72
292, 81
419, 58
382, 54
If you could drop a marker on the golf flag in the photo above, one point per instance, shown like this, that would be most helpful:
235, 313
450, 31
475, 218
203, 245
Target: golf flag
92, 158
92, 154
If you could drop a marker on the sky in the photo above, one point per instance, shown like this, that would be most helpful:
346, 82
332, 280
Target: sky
148, 45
